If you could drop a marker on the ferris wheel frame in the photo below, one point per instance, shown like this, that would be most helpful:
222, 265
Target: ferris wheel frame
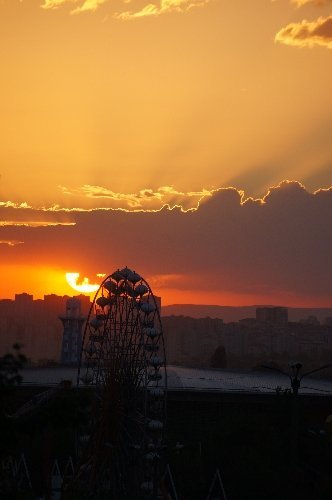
123, 360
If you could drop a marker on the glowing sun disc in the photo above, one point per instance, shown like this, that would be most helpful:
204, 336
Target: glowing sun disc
83, 286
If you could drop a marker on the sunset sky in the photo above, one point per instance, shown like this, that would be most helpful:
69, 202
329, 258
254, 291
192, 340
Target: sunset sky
188, 139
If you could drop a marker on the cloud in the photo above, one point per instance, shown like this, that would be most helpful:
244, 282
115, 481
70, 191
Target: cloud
145, 199
163, 7
22, 214
150, 9
307, 33
34, 223
89, 5
277, 249
55, 4
84, 6
11, 204
300, 3
11, 243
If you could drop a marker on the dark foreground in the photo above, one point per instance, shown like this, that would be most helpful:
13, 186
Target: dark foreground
267, 447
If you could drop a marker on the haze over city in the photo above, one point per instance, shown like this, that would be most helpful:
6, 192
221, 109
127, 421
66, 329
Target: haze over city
189, 140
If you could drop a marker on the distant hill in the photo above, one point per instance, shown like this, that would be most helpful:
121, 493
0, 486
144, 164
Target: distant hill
234, 313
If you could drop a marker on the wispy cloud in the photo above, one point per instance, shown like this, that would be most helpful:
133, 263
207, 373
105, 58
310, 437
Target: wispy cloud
82, 6
89, 6
307, 33
11, 243
23, 214
12, 204
55, 4
150, 9
34, 223
163, 7
145, 199
300, 3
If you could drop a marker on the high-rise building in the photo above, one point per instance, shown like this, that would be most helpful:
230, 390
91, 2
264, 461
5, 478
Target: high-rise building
73, 321
273, 315
23, 298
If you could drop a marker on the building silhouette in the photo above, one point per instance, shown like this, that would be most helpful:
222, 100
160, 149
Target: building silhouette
273, 315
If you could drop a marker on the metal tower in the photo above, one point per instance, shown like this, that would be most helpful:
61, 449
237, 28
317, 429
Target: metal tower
72, 321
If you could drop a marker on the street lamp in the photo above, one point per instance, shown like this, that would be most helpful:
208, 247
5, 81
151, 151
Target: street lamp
294, 374
295, 377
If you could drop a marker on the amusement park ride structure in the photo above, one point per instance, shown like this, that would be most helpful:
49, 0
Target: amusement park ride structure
123, 360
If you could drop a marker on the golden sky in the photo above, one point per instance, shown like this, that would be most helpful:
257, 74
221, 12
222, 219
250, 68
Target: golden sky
135, 105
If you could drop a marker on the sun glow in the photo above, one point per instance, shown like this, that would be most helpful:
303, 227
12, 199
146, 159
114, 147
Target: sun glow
81, 285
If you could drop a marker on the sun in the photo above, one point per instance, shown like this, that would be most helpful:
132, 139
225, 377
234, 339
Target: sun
81, 285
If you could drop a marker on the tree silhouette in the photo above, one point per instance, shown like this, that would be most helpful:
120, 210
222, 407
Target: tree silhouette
10, 366
218, 358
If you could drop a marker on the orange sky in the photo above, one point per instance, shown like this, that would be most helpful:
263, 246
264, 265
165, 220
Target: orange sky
131, 105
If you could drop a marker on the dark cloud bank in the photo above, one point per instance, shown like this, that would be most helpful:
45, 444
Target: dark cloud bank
281, 245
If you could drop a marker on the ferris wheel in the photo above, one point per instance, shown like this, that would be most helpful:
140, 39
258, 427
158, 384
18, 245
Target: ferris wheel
123, 360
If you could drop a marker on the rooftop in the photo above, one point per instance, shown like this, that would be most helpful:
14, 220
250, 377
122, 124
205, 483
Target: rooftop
194, 379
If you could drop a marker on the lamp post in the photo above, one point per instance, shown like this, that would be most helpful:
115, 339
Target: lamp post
295, 377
